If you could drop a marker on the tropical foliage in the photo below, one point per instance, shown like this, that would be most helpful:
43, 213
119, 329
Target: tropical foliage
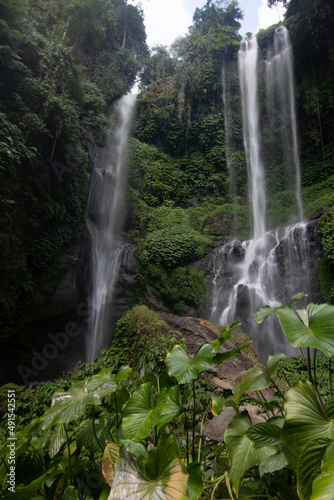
62, 66
142, 435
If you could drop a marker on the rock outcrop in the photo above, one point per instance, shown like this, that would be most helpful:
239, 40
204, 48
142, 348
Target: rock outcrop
222, 376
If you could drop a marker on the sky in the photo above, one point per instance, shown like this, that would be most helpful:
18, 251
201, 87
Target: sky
165, 20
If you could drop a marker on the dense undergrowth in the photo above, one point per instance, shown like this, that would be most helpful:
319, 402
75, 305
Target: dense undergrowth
133, 420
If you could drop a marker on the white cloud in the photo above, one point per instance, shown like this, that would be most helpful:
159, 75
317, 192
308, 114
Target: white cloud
165, 20
267, 16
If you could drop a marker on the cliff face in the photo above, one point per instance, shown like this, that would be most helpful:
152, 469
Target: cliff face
244, 276
70, 306
290, 252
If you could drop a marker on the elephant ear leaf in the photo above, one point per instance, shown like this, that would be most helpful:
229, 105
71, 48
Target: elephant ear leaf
256, 378
172, 408
309, 327
161, 477
242, 450
186, 369
140, 415
308, 467
69, 406
304, 420
110, 456
323, 485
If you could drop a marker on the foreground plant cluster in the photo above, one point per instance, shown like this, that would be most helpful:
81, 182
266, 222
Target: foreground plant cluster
137, 431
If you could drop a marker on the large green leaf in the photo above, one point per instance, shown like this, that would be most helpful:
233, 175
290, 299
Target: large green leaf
68, 406
107, 380
256, 378
329, 408
164, 476
195, 481
85, 435
273, 463
242, 450
185, 369
305, 420
308, 467
225, 335
140, 414
71, 493
218, 403
172, 408
72, 404
27, 491
220, 357
266, 433
323, 485
57, 439
105, 377
312, 326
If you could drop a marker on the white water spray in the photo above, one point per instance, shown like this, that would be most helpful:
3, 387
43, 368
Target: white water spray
270, 268
248, 55
104, 220
280, 83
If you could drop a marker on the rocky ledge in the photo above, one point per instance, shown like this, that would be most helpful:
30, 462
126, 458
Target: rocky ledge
196, 331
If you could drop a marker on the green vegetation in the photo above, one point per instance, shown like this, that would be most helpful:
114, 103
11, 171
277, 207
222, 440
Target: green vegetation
135, 416
138, 428
62, 66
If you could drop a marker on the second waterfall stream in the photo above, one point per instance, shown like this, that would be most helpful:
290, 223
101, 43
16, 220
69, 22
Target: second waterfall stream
274, 265
104, 221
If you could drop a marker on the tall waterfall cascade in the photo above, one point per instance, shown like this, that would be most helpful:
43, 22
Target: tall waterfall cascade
104, 221
275, 264
282, 109
248, 55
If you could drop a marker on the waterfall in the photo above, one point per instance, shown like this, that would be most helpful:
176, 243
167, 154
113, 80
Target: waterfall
248, 55
282, 108
274, 265
104, 220
266, 271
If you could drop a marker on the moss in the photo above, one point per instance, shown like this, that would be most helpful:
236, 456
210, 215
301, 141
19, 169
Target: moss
325, 271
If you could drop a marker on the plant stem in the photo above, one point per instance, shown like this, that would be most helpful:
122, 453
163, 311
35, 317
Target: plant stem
194, 421
309, 365
187, 437
303, 355
5, 464
216, 486
277, 389
313, 380
95, 435
156, 435
279, 392
330, 376
315, 367
116, 409
266, 406
284, 375
69, 454
200, 441
228, 484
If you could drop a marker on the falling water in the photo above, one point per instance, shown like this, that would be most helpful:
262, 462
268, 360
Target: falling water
274, 265
104, 219
248, 55
282, 111
266, 271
